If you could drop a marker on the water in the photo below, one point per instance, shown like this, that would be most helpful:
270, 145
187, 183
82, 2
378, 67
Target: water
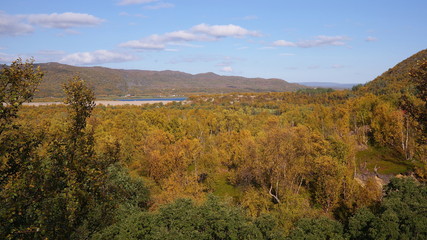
152, 99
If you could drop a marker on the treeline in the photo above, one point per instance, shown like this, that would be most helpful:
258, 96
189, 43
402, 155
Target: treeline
234, 166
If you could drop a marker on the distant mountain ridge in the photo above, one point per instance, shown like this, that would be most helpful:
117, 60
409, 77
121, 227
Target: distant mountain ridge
329, 85
107, 81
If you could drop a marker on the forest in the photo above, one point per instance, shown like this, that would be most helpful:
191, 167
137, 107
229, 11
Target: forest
310, 164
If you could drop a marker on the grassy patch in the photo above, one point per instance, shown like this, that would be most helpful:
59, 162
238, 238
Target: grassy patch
223, 188
387, 161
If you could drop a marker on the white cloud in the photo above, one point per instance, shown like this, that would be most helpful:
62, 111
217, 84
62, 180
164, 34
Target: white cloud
133, 2
96, 57
283, 43
227, 69
200, 33
159, 6
145, 44
181, 36
64, 20
13, 25
371, 39
318, 41
229, 30
184, 44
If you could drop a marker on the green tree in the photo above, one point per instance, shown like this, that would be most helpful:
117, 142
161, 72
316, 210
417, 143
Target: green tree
185, 220
419, 77
18, 82
315, 229
401, 214
18, 144
361, 224
54, 185
77, 201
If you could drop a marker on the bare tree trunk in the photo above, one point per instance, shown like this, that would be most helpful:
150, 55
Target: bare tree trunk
405, 139
274, 195
299, 186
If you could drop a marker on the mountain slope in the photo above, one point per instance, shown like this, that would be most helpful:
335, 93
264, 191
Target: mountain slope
108, 81
396, 79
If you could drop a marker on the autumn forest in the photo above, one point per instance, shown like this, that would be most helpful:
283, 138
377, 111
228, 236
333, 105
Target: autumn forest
308, 164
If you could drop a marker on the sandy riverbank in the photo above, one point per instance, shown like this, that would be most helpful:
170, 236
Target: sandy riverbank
101, 102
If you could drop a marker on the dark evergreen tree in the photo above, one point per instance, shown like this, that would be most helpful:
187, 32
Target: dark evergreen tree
316, 228
401, 214
185, 220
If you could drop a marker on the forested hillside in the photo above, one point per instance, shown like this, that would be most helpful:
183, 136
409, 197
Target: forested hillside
116, 82
396, 80
316, 164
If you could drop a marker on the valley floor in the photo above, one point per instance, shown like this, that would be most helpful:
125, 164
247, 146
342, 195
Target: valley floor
103, 102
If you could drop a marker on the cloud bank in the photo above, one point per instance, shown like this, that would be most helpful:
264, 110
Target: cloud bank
64, 20
14, 25
199, 33
318, 41
96, 57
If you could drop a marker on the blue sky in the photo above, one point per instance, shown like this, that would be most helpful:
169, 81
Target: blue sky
298, 41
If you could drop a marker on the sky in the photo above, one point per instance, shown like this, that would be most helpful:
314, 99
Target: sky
298, 41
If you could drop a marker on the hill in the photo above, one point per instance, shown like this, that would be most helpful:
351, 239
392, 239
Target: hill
329, 85
396, 79
108, 81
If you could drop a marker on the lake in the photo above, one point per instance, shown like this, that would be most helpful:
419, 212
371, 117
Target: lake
153, 99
